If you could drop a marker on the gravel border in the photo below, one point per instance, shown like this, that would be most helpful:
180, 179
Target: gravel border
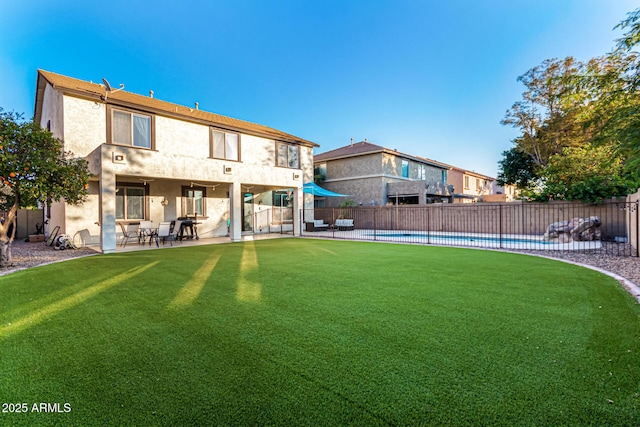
624, 269
27, 255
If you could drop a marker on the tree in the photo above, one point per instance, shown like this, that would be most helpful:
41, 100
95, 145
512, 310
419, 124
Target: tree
591, 174
548, 114
517, 168
34, 168
621, 87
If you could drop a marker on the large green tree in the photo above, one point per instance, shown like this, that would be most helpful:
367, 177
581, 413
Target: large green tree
619, 89
573, 114
590, 173
34, 168
547, 115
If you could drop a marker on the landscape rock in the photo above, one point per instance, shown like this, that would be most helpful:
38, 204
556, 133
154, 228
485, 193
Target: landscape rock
576, 229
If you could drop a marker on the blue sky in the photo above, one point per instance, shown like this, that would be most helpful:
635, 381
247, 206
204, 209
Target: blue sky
428, 78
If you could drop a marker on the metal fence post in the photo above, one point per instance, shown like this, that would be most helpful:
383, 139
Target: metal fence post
375, 230
637, 228
500, 224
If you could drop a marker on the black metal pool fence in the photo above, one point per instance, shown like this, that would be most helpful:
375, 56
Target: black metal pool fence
608, 227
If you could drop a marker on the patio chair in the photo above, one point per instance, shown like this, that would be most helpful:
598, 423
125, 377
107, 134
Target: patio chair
176, 232
147, 231
165, 232
129, 231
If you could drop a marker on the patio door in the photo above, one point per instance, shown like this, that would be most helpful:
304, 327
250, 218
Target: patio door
247, 212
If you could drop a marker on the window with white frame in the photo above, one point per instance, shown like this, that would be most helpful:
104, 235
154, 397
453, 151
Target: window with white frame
225, 145
130, 202
130, 128
405, 169
466, 182
422, 171
288, 156
444, 176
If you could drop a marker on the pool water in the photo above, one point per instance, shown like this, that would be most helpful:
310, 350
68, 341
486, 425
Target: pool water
464, 238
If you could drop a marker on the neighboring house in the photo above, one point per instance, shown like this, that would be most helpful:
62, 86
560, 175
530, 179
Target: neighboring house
373, 176
470, 187
506, 193
158, 161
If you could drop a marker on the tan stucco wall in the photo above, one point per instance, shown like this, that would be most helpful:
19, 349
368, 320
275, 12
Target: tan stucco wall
178, 137
52, 112
84, 125
456, 178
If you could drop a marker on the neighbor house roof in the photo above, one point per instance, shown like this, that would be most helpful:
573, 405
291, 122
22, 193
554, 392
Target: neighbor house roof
472, 173
98, 92
365, 147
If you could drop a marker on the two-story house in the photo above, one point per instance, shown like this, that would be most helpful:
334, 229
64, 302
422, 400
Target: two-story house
470, 186
376, 176
158, 161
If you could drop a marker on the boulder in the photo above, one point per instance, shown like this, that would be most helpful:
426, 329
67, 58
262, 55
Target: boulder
577, 229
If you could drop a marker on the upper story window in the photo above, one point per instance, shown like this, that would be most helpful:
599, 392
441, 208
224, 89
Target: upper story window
405, 168
130, 128
444, 176
320, 172
466, 182
225, 145
422, 172
288, 156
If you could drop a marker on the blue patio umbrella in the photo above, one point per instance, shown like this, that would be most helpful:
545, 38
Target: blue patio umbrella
316, 190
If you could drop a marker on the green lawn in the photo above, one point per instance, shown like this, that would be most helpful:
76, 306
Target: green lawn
312, 332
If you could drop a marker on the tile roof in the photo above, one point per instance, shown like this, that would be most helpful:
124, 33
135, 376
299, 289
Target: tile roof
350, 150
97, 91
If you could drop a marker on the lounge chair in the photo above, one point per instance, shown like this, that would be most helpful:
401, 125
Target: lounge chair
320, 225
343, 224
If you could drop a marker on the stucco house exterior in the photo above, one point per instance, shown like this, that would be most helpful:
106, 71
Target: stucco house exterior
373, 175
470, 186
158, 161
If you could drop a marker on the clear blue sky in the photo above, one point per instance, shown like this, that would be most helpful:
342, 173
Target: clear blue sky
429, 78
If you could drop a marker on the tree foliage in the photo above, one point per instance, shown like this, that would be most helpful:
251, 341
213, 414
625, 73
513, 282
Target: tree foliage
34, 168
590, 173
516, 167
573, 114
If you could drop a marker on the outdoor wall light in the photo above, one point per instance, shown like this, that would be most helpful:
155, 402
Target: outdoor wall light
164, 201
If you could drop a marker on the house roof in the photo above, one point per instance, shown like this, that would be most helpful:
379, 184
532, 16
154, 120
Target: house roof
472, 173
98, 92
365, 147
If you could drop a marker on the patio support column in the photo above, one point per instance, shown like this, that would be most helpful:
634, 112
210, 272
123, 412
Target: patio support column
235, 211
107, 211
298, 204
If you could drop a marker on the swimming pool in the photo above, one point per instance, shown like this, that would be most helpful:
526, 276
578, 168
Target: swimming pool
481, 240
